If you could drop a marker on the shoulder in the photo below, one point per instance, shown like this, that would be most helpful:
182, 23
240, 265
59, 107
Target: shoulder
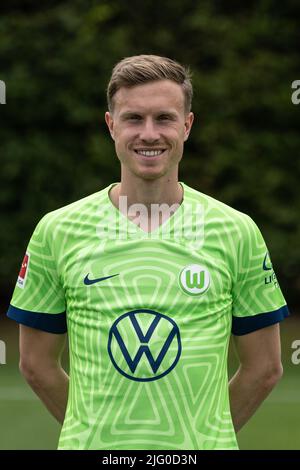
225, 222
72, 216
217, 210
79, 209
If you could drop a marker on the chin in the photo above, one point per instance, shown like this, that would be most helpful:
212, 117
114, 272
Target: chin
149, 175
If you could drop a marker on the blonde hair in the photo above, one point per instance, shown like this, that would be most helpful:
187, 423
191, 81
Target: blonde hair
140, 69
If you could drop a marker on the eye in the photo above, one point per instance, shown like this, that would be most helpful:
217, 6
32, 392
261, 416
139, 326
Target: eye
165, 117
134, 117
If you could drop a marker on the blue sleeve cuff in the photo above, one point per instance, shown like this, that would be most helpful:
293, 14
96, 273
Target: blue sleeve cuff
49, 322
245, 325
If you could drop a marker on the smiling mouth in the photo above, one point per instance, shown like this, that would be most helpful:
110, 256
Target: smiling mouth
150, 153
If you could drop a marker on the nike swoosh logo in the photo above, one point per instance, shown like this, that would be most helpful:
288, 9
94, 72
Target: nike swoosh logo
265, 267
88, 281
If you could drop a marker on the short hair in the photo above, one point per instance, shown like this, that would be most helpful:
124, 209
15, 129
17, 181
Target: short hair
139, 69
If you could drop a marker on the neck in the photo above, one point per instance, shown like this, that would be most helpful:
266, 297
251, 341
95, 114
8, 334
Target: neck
164, 190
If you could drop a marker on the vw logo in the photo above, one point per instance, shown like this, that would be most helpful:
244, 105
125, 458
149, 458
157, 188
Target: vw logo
144, 345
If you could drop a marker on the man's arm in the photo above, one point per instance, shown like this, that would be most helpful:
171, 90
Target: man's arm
259, 371
40, 354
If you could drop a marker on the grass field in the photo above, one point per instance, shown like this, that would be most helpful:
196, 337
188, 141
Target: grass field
25, 423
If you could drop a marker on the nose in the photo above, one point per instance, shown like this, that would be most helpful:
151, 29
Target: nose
149, 132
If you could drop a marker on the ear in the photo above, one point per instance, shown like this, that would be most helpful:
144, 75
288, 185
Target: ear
189, 119
110, 123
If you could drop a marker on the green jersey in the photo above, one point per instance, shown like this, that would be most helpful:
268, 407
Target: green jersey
148, 316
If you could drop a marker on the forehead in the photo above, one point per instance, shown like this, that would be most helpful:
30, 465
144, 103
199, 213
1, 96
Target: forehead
150, 96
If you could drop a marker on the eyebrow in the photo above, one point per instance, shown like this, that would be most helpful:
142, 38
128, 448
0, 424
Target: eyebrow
127, 114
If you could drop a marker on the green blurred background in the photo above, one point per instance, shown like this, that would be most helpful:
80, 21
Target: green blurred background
56, 59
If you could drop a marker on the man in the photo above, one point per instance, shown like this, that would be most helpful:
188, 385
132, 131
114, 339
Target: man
149, 277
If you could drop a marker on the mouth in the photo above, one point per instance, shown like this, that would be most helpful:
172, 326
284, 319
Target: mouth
150, 153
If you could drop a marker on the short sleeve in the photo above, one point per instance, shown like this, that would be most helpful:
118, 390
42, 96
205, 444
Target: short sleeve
38, 300
257, 298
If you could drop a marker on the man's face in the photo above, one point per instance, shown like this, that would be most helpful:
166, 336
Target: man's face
149, 126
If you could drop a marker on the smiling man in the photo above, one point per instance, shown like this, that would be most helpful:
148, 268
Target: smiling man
149, 277
149, 123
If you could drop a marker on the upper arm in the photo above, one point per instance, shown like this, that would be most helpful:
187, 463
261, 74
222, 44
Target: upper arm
257, 300
39, 348
39, 297
260, 350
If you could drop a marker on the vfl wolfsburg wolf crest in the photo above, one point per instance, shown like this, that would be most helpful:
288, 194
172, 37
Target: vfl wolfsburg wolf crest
194, 279
144, 345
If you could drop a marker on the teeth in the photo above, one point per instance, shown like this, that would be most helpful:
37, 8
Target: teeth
149, 153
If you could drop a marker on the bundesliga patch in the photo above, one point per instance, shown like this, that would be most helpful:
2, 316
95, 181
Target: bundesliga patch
23, 271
